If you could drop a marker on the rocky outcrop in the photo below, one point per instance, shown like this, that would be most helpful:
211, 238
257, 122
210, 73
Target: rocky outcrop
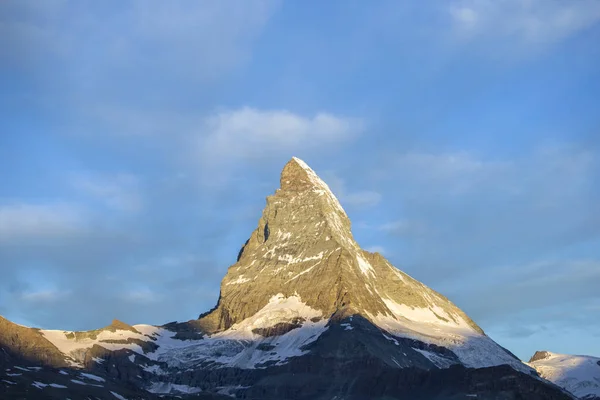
29, 344
540, 355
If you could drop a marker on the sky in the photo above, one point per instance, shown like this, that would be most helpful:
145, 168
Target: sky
139, 139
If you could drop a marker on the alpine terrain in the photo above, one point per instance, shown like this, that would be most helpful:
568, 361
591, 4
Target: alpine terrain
304, 313
580, 375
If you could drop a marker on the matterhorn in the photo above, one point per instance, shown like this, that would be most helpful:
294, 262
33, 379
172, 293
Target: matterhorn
303, 313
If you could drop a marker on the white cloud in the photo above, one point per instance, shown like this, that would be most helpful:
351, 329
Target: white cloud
365, 198
119, 191
44, 296
526, 22
142, 296
348, 198
18, 221
253, 133
551, 173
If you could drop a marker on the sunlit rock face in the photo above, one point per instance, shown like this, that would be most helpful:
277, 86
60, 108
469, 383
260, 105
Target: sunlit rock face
303, 248
304, 313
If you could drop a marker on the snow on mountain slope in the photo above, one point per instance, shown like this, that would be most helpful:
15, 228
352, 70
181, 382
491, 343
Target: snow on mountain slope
579, 375
239, 346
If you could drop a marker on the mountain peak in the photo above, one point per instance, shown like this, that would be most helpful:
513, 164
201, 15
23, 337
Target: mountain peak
298, 176
540, 355
303, 249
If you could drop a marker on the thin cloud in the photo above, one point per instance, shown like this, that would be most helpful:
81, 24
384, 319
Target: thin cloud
250, 132
119, 191
527, 23
194, 41
23, 221
458, 211
348, 197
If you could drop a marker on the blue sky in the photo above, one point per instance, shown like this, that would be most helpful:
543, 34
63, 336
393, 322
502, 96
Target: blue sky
139, 140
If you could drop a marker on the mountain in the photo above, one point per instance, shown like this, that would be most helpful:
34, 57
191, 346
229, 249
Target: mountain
579, 375
304, 313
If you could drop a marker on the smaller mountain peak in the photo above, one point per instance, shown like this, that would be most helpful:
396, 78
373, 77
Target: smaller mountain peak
120, 325
540, 355
298, 176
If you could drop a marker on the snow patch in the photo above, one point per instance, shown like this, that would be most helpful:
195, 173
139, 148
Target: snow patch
92, 377
230, 390
165, 387
430, 315
365, 267
117, 395
239, 280
436, 359
153, 369
302, 273
290, 259
473, 349
57, 386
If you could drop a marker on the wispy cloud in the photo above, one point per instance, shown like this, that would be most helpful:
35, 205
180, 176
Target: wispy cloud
119, 191
349, 197
254, 133
33, 221
44, 296
524, 23
458, 210
194, 41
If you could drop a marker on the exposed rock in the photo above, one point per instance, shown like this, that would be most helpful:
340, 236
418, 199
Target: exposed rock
539, 355
303, 245
29, 344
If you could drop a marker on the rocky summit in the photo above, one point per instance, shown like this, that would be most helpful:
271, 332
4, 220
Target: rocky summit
304, 313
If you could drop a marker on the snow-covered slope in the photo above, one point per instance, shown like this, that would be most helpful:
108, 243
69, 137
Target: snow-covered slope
579, 375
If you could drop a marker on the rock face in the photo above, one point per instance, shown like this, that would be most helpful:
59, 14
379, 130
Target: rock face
28, 344
304, 313
579, 375
303, 248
